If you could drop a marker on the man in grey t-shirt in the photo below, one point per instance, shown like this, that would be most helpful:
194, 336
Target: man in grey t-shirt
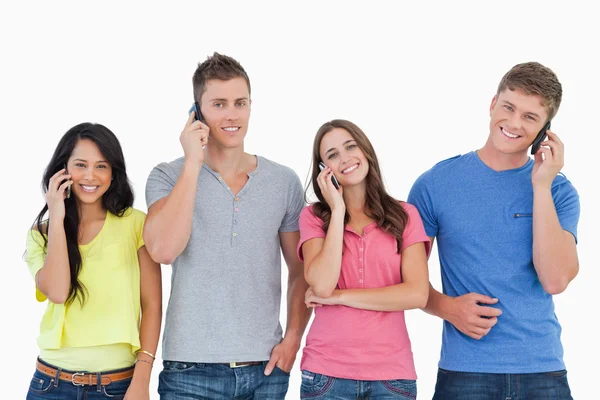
222, 217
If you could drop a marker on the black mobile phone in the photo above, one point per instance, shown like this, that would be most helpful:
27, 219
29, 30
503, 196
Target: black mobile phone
541, 136
333, 178
196, 108
68, 187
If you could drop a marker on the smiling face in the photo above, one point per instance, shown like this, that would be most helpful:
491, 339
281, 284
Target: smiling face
515, 120
90, 172
340, 152
225, 106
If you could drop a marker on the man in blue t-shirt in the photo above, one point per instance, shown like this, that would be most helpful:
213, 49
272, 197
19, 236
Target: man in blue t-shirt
506, 229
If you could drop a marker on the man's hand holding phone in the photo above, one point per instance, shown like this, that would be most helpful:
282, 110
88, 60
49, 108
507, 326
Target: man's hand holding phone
193, 139
57, 193
549, 160
331, 194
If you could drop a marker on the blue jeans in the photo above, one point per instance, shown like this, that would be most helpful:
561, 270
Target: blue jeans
318, 386
195, 381
477, 386
44, 387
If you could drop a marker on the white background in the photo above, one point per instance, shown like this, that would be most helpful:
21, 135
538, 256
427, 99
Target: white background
417, 78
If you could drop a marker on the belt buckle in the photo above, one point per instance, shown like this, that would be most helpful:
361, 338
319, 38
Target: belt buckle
73, 378
235, 365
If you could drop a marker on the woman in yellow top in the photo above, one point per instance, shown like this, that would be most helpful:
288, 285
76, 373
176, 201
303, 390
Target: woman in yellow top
89, 261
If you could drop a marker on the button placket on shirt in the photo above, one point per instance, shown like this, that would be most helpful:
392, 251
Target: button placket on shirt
236, 210
361, 257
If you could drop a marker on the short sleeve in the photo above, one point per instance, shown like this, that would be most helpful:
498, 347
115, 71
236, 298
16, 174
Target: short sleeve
35, 255
414, 231
295, 202
139, 218
160, 183
422, 197
566, 201
311, 227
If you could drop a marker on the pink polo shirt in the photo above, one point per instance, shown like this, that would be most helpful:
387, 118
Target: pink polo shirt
351, 343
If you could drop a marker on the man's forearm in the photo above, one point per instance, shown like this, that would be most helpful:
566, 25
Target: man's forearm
298, 314
554, 250
167, 229
436, 303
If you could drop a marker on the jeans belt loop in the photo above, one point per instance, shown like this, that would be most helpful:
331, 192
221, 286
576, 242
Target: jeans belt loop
56, 379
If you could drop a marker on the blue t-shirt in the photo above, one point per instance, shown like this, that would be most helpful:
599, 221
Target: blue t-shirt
482, 220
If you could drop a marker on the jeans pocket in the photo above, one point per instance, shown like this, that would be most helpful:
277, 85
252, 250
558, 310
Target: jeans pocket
556, 374
405, 388
281, 370
115, 396
116, 390
41, 383
445, 371
314, 385
176, 366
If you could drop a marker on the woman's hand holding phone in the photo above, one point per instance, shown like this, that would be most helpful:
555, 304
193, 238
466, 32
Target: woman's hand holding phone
57, 193
193, 139
333, 197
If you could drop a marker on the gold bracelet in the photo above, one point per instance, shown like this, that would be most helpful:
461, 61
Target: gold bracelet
147, 353
146, 361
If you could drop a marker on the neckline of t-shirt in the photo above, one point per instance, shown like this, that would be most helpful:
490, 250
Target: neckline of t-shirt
95, 239
479, 161
366, 229
251, 173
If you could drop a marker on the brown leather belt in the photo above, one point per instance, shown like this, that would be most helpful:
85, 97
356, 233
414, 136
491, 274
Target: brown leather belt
82, 379
242, 364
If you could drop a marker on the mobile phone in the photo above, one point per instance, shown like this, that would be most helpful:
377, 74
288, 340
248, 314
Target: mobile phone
196, 108
333, 178
541, 136
68, 187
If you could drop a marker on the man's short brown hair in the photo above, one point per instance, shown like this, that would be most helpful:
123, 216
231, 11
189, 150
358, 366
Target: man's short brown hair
534, 78
217, 66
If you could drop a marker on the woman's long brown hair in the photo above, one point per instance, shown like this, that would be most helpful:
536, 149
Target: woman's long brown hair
380, 206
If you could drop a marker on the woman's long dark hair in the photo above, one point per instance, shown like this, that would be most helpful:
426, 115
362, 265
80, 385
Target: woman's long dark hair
116, 200
379, 205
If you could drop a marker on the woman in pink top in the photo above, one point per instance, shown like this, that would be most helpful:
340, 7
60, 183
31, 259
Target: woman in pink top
365, 259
